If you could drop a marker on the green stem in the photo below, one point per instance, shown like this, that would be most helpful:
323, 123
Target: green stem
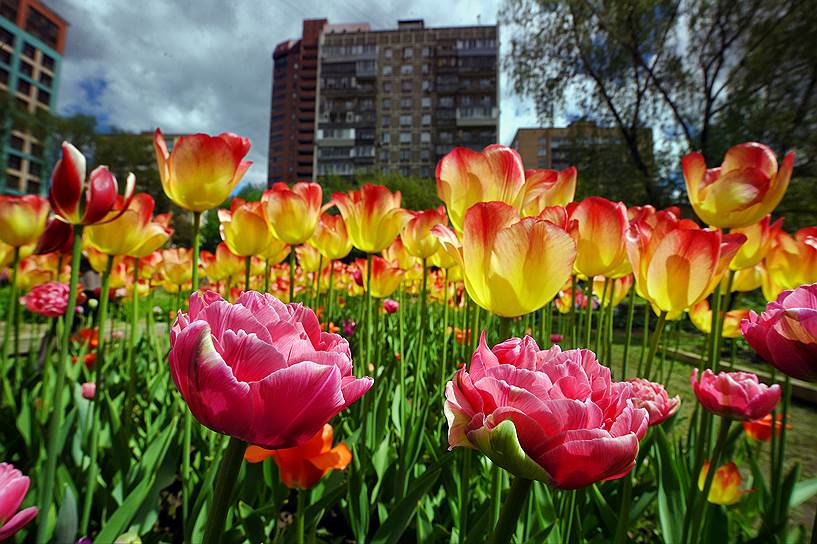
698, 511
588, 312
656, 338
715, 329
300, 514
292, 274
247, 267
12, 307
53, 448
402, 365
624, 512
102, 320
134, 319
317, 301
780, 509
573, 312
266, 275
187, 483
465, 492
446, 337
419, 371
520, 488
330, 304
645, 337
227, 476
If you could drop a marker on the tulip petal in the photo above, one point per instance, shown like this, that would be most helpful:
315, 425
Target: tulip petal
20, 520
501, 445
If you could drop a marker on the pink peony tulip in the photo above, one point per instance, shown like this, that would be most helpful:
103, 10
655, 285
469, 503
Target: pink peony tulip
653, 397
390, 305
13, 489
547, 415
47, 299
785, 334
736, 395
260, 370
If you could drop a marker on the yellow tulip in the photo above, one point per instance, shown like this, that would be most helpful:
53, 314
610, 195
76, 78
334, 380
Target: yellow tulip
373, 216
244, 228
293, 213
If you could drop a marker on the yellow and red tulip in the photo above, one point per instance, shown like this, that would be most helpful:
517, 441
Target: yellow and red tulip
726, 484
22, 219
503, 256
202, 170
293, 213
416, 235
386, 277
131, 232
701, 316
616, 290
309, 258
330, 237
791, 262
244, 228
743, 190
373, 216
759, 240
544, 188
176, 266
676, 264
397, 255
599, 230
466, 177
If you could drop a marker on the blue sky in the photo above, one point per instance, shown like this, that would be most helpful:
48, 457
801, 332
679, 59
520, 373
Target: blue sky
206, 65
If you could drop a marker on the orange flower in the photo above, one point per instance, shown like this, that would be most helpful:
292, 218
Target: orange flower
791, 262
503, 256
545, 188
701, 316
397, 255
22, 219
331, 238
744, 189
386, 277
87, 336
677, 264
466, 177
599, 232
759, 240
726, 484
302, 467
619, 287
462, 336
129, 232
244, 228
417, 235
202, 170
293, 213
761, 429
373, 216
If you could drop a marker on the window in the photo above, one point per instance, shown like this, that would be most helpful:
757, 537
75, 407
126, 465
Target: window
405, 103
406, 69
405, 155
15, 162
16, 143
446, 102
387, 53
541, 152
385, 121
28, 50
4, 76
6, 37
26, 68
47, 62
23, 86
43, 97
425, 155
426, 86
40, 26
426, 119
384, 155
425, 102
406, 86
36, 150
405, 120
385, 137
35, 168
387, 86
5, 56
426, 51
426, 68
542, 140
408, 52
387, 70
387, 103
405, 171
405, 137
425, 137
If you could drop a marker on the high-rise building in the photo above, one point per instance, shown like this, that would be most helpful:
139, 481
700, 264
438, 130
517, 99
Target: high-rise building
390, 100
32, 41
292, 117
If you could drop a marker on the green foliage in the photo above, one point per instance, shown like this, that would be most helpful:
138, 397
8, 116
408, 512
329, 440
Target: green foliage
418, 193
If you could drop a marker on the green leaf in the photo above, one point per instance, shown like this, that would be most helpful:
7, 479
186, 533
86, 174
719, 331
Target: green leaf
671, 505
803, 491
66, 530
400, 516
501, 445
608, 516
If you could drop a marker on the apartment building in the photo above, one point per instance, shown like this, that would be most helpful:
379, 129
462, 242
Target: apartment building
396, 100
32, 41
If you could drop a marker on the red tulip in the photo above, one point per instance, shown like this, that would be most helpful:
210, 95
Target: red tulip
260, 370
390, 306
551, 416
761, 429
785, 335
735, 395
545, 188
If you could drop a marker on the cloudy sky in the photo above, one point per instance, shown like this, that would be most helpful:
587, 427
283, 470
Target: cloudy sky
206, 65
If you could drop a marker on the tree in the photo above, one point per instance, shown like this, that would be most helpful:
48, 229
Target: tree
418, 193
705, 73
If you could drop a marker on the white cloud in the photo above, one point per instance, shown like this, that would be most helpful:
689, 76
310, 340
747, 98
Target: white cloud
206, 65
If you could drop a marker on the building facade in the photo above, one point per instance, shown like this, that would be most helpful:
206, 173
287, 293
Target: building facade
32, 41
397, 100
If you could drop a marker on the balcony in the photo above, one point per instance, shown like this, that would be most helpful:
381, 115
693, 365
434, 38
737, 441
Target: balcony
476, 116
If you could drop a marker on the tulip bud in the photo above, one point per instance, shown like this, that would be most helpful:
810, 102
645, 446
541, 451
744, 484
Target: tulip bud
390, 305
89, 390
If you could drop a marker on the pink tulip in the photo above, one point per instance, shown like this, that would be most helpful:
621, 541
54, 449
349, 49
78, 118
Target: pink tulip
653, 397
736, 395
785, 334
47, 299
390, 305
13, 489
88, 390
547, 415
260, 370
